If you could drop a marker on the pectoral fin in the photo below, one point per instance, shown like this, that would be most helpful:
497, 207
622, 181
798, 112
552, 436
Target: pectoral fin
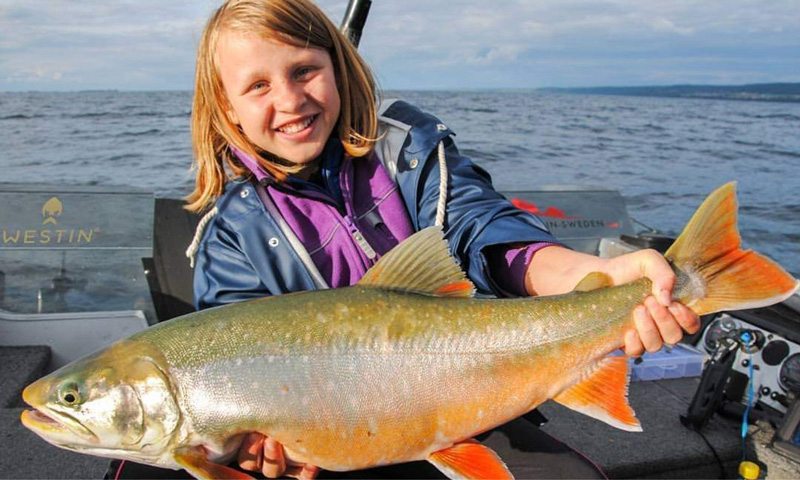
603, 395
470, 459
195, 461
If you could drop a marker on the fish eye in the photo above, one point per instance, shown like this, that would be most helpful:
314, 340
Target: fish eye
69, 395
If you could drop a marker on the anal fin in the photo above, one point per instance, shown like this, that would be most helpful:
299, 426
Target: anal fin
470, 459
603, 395
196, 462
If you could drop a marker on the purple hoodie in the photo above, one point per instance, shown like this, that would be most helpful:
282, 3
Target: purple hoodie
354, 214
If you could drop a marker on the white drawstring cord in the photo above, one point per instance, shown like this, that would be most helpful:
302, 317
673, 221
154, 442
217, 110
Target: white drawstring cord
191, 252
440, 207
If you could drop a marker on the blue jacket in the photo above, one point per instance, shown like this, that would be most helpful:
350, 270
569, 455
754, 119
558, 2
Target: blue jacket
246, 252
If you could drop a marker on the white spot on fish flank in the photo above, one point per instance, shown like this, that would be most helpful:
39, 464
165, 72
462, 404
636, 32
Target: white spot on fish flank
372, 424
610, 309
594, 306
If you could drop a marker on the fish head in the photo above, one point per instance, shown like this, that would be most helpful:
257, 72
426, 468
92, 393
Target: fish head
117, 403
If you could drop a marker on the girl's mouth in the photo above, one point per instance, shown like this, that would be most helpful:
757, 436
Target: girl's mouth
296, 127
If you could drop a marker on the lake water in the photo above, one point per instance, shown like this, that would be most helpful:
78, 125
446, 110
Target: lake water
663, 154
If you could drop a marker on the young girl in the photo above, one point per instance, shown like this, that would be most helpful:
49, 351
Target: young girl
305, 181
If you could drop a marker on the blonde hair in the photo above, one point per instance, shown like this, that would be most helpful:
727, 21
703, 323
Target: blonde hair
296, 22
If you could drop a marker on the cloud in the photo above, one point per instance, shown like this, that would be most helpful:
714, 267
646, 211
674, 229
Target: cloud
532, 43
92, 44
150, 44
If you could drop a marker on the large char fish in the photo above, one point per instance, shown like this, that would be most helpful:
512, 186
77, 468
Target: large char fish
403, 366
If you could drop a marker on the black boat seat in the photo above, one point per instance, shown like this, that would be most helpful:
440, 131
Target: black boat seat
168, 272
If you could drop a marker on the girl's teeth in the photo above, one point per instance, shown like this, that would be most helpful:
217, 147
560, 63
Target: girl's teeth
296, 127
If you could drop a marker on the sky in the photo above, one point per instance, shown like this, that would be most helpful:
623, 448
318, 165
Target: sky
65, 45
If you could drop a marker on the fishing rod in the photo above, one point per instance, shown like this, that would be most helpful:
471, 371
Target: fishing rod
354, 19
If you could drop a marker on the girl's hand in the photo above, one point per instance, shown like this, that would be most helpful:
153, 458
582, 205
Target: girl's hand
555, 270
261, 453
659, 320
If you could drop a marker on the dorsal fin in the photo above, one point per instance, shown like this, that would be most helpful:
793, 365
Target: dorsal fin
593, 281
422, 263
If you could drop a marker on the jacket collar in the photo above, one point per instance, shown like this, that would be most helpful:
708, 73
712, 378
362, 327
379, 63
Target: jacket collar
332, 156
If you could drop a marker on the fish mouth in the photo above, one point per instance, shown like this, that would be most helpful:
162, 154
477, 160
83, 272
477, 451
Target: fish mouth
57, 427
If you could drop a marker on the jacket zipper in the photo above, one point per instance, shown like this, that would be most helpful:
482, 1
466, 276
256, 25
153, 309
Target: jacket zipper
350, 216
313, 196
359, 238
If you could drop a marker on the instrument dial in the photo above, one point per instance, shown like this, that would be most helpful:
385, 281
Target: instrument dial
716, 330
728, 324
774, 353
789, 376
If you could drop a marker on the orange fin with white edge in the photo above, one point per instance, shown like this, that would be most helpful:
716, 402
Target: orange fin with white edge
714, 273
470, 459
603, 394
195, 461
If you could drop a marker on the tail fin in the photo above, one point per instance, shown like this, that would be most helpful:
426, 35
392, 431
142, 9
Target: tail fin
714, 273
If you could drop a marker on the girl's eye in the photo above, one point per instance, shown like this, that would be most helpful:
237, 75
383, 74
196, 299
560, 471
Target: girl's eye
302, 72
258, 86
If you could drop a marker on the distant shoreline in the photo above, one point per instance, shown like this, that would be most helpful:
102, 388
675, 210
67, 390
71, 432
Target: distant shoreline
761, 92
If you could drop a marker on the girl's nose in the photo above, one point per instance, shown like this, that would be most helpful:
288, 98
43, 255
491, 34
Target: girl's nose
289, 97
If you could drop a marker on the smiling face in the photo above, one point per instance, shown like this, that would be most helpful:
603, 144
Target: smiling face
283, 97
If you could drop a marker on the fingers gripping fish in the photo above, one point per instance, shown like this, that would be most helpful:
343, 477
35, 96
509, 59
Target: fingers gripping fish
406, 365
